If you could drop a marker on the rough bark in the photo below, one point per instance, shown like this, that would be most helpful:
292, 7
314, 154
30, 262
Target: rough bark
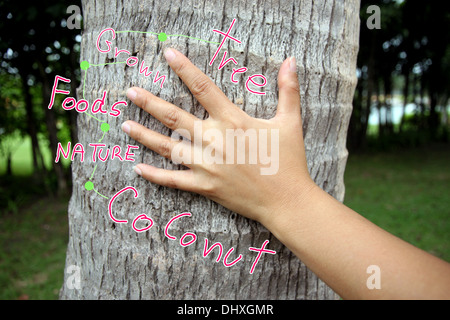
118, 263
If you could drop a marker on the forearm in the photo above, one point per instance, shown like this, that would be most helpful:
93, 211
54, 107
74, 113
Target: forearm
339, 245
332, 240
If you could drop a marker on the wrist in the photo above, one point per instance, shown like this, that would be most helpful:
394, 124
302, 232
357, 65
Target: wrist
292, 209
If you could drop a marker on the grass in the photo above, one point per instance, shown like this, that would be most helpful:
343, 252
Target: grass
33, 247
406, 193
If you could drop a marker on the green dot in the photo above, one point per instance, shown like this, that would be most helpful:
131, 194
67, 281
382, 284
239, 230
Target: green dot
104, 127
162, 37
89, 185
84, 65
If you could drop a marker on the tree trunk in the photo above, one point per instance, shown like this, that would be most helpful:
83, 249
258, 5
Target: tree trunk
371, 82
9, 163
405, 99
114, 261
52, 131
32, 130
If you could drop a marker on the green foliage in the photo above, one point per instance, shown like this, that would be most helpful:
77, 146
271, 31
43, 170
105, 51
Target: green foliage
40, 47
410, 54
12, 109
33, 246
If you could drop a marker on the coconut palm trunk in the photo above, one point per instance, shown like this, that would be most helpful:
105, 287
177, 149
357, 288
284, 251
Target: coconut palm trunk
110, 260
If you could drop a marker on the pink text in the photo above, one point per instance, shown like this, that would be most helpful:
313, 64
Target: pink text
250, 80
100, 152
82, 105
131, 61
188, 238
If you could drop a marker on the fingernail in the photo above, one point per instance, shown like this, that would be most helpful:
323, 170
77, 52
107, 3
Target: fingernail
137, 170
170, 55
126, 128
131, 93
292, 64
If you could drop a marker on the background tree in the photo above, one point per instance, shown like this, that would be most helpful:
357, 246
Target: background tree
408, 57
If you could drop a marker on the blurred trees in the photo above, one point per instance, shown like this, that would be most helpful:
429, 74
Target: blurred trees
35, 45
410, 56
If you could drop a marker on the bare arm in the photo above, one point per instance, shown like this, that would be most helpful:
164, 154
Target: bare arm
335, 242
339, 245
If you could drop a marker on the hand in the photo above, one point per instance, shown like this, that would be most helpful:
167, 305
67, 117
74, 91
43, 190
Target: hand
332, 240
239, 187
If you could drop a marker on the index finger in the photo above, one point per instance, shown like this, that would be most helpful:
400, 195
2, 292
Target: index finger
201, 86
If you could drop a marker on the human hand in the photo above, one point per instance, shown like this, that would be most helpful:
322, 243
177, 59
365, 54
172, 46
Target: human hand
239, 187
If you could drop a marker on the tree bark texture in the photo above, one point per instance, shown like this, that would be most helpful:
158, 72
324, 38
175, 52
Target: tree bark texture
118, 263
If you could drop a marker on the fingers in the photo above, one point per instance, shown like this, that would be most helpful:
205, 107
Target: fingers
180, 179
179, 151
288, 89
171, 116
201, 86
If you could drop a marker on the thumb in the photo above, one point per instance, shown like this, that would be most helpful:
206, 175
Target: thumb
288, 89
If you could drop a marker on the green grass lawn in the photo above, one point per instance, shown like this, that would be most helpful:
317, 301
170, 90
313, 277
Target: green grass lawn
33, 248
406, 193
